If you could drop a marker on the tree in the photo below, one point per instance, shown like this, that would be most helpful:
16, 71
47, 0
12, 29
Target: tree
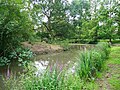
15, 25
79, 12
107, 18
54, 11
117, 17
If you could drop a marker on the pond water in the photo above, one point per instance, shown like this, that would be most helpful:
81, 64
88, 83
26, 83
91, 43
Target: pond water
62, 59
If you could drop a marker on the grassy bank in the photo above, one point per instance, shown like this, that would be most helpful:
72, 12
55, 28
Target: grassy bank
110, 79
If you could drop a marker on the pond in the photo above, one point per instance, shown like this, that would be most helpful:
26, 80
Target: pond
62, 59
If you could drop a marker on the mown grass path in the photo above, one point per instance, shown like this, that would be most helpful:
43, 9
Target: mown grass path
111, 77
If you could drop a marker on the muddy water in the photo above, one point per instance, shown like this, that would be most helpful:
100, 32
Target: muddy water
62, 59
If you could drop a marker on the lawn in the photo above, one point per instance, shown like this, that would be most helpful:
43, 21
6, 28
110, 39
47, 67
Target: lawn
110, 79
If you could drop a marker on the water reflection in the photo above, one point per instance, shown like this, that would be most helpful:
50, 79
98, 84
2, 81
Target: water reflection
61, 60
41, 66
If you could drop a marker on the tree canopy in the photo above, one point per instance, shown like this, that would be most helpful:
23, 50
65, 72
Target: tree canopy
15, 25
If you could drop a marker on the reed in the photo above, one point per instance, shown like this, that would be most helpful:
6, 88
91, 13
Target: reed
92, 61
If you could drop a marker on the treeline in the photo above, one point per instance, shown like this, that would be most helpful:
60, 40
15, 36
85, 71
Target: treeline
81, 20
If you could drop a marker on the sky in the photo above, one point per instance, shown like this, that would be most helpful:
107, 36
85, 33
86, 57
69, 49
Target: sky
69, 1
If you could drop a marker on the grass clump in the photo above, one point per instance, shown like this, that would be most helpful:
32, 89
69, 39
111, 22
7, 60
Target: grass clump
92, 61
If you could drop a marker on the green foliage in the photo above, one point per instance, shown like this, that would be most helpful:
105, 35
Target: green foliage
107, 30
91, 62
76, 21
56, 24
49, 80
4, 61
89, 31
73, 82
22, 55
64, 44
53, 80
104, 49
15, 26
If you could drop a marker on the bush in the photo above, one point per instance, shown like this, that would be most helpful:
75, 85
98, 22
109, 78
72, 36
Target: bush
19, 55
4, 61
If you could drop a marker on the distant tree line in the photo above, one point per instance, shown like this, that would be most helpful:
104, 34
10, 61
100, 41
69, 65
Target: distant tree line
86, 20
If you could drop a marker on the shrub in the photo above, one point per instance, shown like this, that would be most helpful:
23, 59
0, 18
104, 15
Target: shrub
22, 55
85, 67
19, 55
4, 61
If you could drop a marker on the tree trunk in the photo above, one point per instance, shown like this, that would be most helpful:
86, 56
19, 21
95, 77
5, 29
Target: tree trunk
110, 40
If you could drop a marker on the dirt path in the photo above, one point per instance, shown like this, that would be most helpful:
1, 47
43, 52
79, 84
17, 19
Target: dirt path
111, 77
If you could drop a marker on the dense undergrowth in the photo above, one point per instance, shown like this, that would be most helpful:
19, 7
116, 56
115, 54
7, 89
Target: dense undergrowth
89, 64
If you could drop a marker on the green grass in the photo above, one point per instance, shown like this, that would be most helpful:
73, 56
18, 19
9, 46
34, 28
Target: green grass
114, 57
114, 61
110, 78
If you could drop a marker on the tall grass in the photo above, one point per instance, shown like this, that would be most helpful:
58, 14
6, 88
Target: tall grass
92, 61
51, 79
